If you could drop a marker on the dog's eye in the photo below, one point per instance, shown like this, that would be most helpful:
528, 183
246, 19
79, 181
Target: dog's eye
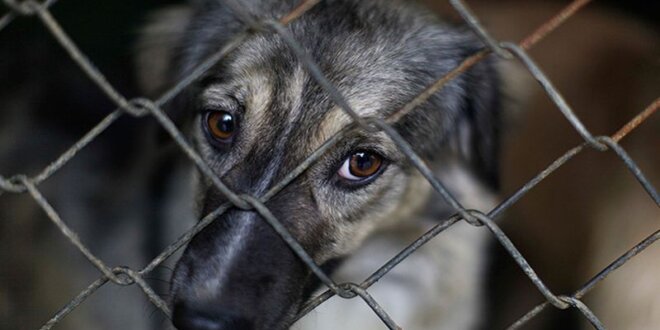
360, 166
221, 125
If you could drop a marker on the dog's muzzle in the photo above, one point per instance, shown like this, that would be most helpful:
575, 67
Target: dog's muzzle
189, 316
237, 274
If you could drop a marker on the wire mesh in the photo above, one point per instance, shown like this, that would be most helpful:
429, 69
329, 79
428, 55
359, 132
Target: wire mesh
144, 107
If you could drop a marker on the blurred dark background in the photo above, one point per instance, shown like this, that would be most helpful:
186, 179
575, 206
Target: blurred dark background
605, 60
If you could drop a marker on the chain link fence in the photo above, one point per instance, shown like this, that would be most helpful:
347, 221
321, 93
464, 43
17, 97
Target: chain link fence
139, 107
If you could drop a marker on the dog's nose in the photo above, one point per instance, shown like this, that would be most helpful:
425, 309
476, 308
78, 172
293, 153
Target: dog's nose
189, 317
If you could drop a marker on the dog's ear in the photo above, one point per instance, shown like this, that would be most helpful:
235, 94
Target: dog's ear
478, 125
157, 51
157, 48
166, 49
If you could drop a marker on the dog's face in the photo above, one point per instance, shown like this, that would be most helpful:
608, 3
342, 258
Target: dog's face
258, 115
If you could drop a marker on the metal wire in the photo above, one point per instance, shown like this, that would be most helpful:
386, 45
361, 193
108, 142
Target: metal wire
123, 276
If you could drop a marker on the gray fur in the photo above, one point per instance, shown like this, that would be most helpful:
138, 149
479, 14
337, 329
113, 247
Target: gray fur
380, 54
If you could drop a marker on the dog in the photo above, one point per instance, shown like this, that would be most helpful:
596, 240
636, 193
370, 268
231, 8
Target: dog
257, 114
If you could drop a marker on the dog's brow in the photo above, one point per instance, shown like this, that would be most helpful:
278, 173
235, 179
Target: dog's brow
214, 93
336, 119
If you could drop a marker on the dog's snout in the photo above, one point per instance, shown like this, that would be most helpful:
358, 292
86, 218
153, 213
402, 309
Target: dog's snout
194, 317
237, 274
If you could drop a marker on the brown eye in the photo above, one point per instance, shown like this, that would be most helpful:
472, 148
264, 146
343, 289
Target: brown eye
221, 125
360, 165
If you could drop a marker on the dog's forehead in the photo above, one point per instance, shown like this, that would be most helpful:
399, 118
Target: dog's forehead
379, 55
278, 91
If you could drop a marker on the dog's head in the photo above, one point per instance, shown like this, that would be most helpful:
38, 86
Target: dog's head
258, 114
